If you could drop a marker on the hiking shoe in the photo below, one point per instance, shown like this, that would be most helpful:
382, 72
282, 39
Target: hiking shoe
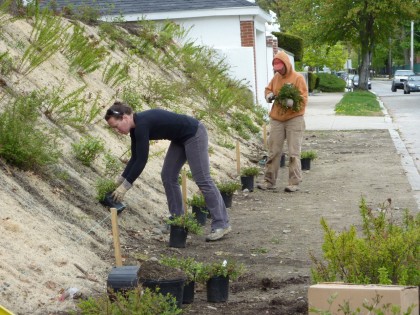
266, 185
218, 234
291, 188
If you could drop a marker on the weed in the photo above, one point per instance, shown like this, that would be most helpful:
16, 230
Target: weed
112, 165
87, 149
23, 141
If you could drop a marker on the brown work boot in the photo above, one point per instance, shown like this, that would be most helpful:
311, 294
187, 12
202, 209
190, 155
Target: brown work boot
266, 185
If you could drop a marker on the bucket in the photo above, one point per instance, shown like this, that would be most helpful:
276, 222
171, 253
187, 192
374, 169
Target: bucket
172, 287
218, 289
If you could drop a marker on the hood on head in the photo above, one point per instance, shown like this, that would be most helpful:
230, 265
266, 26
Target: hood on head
285, 58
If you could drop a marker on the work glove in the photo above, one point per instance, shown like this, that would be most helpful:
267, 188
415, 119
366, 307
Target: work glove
119, 193
118, 180
270, 97
289, 102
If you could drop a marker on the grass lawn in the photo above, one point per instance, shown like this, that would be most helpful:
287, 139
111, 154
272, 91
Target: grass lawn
358, 103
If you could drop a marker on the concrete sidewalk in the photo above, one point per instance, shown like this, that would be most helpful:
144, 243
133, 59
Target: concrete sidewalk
320, 115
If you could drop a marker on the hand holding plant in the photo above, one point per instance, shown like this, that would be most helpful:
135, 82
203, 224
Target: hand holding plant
289, 92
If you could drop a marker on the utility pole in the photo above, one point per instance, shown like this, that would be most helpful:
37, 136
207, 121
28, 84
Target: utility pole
412, 47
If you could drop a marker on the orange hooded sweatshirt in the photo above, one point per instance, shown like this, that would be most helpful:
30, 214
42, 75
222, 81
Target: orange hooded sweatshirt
278, 81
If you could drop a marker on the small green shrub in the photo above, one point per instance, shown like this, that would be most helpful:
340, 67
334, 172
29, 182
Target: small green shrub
227, 268
116, 73
112, 165
289, 91
228, 187
104, 186
250, 171
24, 142
330, 83
187, 221
87, 149
188, 265
311, 154
197, 200
388, 251
131, 302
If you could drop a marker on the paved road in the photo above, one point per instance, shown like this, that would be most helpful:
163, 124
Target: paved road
401, 118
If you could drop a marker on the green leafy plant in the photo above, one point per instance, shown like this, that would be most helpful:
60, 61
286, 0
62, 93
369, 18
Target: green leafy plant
228, 187
387, 252
227, 268
112, 165
115, 73
289, 91
312, 155
104, 186
23, 140
189, 266
6, 63
85, 55
87, 149
188, 222
131, 302
250, 171
197, 200
49, 35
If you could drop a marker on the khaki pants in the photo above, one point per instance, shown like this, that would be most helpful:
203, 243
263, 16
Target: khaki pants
292, 131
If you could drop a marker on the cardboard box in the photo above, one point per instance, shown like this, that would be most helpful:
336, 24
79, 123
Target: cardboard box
319, 296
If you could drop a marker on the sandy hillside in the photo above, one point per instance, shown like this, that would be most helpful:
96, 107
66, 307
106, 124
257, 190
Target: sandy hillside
51, 225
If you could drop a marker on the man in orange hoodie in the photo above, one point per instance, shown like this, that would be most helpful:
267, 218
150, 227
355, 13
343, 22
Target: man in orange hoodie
285, 124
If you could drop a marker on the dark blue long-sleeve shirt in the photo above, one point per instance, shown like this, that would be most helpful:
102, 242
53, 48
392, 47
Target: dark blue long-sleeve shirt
155, 124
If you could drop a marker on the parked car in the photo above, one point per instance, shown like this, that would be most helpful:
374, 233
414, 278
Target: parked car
412, 84
399, 77
356, 81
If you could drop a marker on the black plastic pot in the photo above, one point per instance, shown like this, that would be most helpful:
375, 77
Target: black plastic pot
227, 198
172, 287
200, 214
306, 164
178, 236
188, 297
122, 279
247, 182
218, 289
283, 160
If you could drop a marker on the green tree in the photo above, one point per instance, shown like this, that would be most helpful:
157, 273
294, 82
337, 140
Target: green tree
362, 23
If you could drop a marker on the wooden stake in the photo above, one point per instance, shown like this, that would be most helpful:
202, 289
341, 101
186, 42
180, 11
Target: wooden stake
116, 236
238, 158
184, 189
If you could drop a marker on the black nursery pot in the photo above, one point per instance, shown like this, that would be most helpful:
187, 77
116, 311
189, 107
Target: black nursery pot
200, 214
178, 237
218, 289
227, 198
306, 164
283, 160
172, 287
188, 296
247, 182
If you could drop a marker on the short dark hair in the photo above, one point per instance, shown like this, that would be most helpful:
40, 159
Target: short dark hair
117, 110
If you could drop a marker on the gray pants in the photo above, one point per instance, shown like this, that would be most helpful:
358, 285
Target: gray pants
195, 151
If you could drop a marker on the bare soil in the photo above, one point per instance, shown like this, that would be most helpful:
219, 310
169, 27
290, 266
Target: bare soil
274, 231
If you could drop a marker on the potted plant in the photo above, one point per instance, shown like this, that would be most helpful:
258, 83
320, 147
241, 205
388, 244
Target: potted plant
289, 92
247, 177
180, 227
191, 268
227, 188
216, 276
198, 205
306, 157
